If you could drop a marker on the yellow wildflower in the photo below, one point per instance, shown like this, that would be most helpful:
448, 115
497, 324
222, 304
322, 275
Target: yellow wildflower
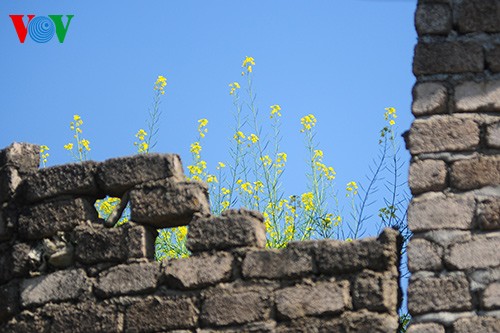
195, 148
220, 165
308, 122
307, 201
352, 187
69, 146
254, 138
275, 110
212, 179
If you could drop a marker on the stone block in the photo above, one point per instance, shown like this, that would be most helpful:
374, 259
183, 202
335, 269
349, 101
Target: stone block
47, 218
8, 221
176, 313
25, 157
452, 288
117, 175
424, 255
481, 324
96, 244
258, 327
322, 298
233, 229
375, 292
378, 254
9, 182
479, 252
426, 328
475, 173
427, 175
9, 301
235, 307
429, 98
365, 321
477, 16
488, 213
491, 297
71, 179
480, 279
55, 287
198, 271
166, 204
128, 279
433, 211
277, 264
433, 19
493, 134
493, 58
443, 133
27, 322
477, 96
448, 58
83, 318
26, 258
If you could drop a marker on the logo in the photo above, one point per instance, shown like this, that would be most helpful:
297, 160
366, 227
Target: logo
41, 28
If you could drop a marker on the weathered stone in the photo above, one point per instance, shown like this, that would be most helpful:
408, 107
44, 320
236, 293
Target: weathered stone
117, 175
235, 307
258, 327
378, 254
452, 288
426, 328
25, 157
493, 135
447, 57
479, 252
71, 179
322, 298
477, 324
475, 173
427, 175
55, 287
9, 181
128, 279
95, 244
375, 292
234, 228
165, 203
199, 271
442, 133
176, 313
277, 264
480, 279
83, 318
429, 98
474, 16
493, 58
477, 96
364, 321
26, 258
488, 213
47, 218
9, 301
8, 221
27, 322
58, 251
491, 297
424, 255
432, 211
434, 19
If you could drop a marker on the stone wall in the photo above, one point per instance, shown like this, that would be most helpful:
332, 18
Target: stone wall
64, 270
454, 141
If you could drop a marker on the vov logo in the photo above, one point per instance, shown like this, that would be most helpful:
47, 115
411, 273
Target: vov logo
41, 28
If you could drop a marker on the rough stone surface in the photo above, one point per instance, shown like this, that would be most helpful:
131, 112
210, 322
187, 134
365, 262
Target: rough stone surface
375, 292
9, 300
478, 96
475, 173
364, 321
25, 157
234, 228
453, 291
117, 175
47, 218
9, 181
323, 298
424, 256
427, 175
235, 307
433, 211
128, 279
69, 179
165, 203
258, 327
475, 16
477, 324
176, 313
493, 58
434, 19
429, 98
199, 271
55, 287
277, 264
448, 57
479, 252
488, 214
493, 135
491, 297
426, 328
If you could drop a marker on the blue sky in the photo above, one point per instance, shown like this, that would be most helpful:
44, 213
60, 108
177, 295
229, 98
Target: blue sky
343, 61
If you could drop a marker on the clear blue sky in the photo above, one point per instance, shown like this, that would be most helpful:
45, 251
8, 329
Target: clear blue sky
343, 61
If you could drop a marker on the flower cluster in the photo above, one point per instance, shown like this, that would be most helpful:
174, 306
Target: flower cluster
82, 145
308, 122
275, 111
43, 154
351, 187
233, 86
142, 145
160, 84
247, 64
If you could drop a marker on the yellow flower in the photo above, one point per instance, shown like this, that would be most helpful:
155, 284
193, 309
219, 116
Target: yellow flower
266, 160
352, 187
220, 165
275, 110
141, 134
254, 138
85, 144
248, 60
43, 148
247, 187
76, 117
234, 86
160, 84
225, 191
225, 204
281, 157
307, 122
391, 122
318, 153
195, 148
212, 179
307, 200
69, 146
